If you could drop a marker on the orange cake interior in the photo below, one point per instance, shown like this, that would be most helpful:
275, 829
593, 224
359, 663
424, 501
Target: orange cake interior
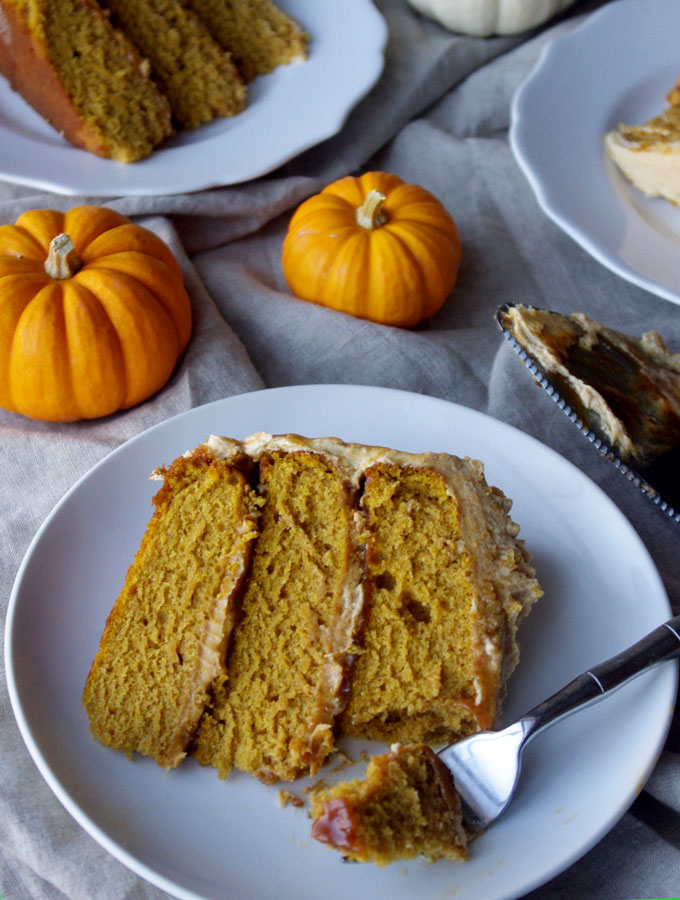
447, 583
382, 601
194, 71
405, 807
258, 34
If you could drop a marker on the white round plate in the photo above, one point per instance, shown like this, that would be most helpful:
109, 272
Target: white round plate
198, 837
617, 66
288, 111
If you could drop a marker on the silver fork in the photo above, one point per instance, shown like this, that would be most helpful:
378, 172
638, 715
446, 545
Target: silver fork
486, 766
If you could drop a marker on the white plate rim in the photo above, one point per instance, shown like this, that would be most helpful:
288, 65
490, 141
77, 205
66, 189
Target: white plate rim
227, 151
304, 394
621, 199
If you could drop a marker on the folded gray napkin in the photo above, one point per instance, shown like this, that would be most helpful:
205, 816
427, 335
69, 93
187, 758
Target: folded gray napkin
438, 117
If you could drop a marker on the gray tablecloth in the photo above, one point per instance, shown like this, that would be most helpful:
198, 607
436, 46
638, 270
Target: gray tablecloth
439, 117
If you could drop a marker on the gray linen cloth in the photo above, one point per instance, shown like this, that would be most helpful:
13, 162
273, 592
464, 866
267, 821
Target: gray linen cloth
438, 117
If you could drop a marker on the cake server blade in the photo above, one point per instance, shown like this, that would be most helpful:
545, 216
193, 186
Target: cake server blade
658, 480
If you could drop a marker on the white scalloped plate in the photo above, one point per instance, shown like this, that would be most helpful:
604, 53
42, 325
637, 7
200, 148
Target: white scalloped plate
288, 111
617, 66
202, 839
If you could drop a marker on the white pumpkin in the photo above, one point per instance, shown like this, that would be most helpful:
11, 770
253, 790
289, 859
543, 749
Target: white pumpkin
484, 18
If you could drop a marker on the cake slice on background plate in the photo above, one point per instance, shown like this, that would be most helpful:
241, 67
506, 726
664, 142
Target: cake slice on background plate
649, 154
84, 76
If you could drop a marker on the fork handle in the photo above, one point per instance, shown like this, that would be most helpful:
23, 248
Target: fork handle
661, 644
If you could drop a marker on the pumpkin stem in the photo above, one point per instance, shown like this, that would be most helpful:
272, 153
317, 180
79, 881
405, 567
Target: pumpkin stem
62, 260
370, 214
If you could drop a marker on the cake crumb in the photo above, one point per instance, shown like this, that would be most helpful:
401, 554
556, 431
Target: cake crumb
288, 798
319, 785
343, 761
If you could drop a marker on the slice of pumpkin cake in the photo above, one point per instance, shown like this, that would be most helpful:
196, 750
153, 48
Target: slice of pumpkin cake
381, 601
649, 154
165, 639
406, 806
447, 584
258, 34
194, 71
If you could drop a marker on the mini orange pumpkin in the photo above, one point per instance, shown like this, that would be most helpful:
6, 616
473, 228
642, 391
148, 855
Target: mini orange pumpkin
374, 247
93, 314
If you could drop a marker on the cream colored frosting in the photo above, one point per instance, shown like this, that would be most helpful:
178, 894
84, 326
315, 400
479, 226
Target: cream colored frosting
5, 31
353, 459
218, 628
652, 168
649, 154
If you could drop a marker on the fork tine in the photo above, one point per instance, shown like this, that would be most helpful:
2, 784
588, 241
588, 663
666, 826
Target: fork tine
485, 768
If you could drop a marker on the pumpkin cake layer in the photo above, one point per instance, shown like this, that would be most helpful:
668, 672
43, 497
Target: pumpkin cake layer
165, 640
274, 714
406, 807
194, 71
258, 34
422, 673
447, 583
83, 76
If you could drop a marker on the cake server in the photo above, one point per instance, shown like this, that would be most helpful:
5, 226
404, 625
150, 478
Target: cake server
658, 479
486, 766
